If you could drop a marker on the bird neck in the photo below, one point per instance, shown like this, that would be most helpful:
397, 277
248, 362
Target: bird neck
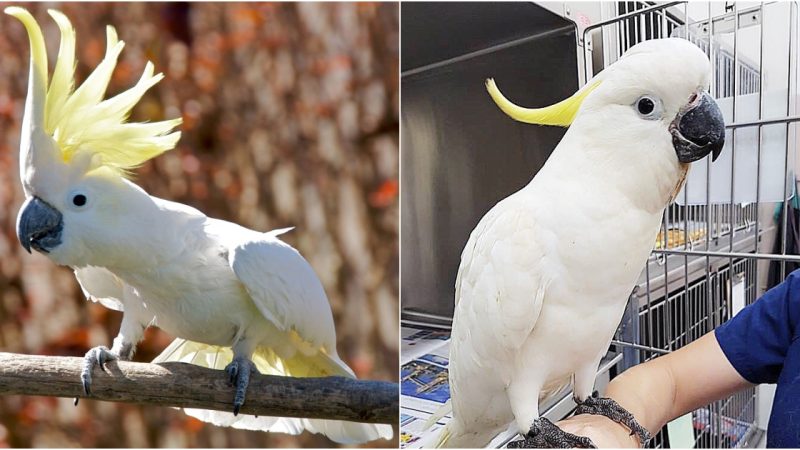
640, 174
151, 234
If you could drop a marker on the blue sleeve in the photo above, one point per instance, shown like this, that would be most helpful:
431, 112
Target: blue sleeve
756, 340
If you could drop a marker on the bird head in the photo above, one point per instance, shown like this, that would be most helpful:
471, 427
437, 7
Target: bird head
649, 114
77, 149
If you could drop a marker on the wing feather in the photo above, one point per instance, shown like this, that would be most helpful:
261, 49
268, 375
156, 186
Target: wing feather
500, 280
100, 285
501, 287
286, 290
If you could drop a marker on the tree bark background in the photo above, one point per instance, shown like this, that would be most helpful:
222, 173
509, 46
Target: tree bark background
290, 119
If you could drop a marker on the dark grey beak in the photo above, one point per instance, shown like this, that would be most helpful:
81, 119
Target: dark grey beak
39, 225
698, 129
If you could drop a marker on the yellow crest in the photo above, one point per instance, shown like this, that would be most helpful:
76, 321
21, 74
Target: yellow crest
80, 120
560, 114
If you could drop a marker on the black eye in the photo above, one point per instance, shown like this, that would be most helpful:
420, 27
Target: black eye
645, 106
79, 200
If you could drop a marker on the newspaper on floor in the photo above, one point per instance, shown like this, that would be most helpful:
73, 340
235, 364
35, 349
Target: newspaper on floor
417, 341
424, 382
425, 387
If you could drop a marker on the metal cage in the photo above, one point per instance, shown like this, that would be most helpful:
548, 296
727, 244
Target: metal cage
720, 247
711, 258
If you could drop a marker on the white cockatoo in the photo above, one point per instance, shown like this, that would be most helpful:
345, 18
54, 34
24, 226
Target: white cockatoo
547, 272
236, 298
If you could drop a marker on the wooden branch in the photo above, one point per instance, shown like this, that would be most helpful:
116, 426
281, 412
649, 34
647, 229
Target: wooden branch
190, 386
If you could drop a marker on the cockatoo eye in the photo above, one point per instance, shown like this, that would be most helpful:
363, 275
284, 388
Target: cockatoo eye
648, 107
78, 199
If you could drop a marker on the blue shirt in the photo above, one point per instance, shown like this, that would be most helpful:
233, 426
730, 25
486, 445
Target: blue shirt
762, 343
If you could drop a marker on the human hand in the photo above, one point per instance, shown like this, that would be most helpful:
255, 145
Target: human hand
604, 432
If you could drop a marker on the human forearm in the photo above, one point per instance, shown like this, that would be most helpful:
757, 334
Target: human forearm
657, 391
647, 391
676, 383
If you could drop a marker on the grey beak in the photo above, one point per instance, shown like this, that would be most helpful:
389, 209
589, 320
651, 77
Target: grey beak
39, 225
698, 129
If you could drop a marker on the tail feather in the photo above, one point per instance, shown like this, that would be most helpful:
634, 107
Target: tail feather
454, 435
442, 411
269, 363
444, 437
345, 432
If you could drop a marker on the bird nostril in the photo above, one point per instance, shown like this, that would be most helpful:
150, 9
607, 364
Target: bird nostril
693, 98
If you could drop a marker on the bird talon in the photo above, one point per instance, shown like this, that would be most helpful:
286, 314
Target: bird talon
611, 409
232, 371
94, 357
86, 381
104, 355
545, 434
239, 376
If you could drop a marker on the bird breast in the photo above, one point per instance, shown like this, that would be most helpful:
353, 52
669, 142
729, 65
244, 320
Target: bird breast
196, 297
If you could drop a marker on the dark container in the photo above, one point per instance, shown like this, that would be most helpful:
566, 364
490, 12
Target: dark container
460, 153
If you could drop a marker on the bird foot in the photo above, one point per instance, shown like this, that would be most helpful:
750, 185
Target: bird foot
545, 434
611, 409
239, 371
97, 356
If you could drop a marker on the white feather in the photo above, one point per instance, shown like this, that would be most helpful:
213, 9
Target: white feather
216, 357
546, 274
215, 285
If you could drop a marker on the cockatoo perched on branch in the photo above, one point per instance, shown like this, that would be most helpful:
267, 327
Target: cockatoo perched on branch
546, 274
236, 298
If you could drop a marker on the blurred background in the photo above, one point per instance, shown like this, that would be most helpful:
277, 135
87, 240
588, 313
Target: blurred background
290, 119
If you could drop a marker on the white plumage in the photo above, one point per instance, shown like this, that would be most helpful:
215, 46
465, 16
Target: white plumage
545, 275
228, 293
220, 286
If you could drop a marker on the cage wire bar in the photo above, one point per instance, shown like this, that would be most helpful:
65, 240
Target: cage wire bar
706, 255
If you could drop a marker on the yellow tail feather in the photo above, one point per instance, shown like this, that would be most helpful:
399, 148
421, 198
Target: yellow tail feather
269, 363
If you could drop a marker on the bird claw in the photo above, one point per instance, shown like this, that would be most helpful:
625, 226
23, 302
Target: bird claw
232, 370
94, 357
239, 371
545, 434
86, 381
611, 409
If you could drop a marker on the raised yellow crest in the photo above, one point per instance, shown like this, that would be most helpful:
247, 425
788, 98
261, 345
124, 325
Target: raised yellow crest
80, 120
560, 114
